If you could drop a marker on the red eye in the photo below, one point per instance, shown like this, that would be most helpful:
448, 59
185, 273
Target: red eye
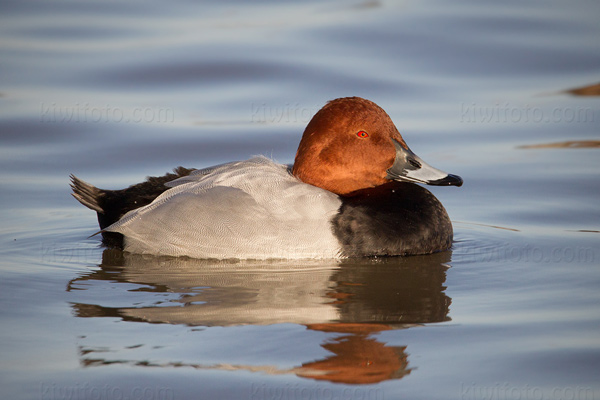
362, 134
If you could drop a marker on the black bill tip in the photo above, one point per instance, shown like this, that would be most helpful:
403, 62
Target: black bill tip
449, 180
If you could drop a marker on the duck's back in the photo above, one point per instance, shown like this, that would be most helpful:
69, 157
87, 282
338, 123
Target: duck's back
249, 209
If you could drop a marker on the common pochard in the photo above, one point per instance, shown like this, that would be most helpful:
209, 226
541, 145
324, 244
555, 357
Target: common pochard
352, 191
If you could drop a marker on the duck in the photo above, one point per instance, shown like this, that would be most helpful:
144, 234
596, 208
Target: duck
354, 190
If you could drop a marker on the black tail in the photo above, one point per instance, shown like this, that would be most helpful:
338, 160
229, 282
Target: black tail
86, 194
111, 205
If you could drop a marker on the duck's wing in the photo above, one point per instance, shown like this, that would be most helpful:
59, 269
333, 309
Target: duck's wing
249, 209
200, 174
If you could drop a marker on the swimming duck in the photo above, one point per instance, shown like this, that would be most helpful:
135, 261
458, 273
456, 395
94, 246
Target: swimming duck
351, 192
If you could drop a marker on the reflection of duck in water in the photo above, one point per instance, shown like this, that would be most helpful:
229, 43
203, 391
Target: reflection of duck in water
358, 358
349, 298
350, 192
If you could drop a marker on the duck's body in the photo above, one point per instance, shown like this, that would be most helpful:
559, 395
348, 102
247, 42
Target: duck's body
258, 209
111, 205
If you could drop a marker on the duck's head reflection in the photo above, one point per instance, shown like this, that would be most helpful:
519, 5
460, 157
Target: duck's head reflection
355, 299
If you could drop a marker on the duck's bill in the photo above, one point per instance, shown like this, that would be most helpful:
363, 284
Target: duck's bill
409, 167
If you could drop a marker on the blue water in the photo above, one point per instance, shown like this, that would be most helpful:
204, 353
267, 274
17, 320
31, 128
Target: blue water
114, 91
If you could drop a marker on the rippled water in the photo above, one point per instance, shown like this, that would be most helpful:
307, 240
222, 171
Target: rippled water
500, 93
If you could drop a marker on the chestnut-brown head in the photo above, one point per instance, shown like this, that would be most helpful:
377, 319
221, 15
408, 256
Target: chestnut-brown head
352, 144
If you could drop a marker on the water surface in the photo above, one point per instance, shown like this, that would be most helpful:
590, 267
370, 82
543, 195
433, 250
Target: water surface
503, 94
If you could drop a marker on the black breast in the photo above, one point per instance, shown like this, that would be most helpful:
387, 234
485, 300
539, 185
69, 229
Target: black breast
397, 218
